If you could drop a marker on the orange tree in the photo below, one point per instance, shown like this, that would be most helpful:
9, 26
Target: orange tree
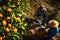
12, 25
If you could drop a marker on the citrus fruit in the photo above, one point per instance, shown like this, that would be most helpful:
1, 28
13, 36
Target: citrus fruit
1, 38
8, 18
4, 22
9, 25
9, 10
7, 29
1, 15
14, 30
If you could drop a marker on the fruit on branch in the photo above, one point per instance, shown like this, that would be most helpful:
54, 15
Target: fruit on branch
4, 22
11, 19
9, 10
1, 38
1, 15
8, 18
9, 25
7, 29
14, 30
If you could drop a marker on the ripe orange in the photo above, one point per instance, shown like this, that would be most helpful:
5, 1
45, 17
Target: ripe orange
9, 25
1, 15
14, 30
9, 10
8, 18
7, 29
4, 22
1, 38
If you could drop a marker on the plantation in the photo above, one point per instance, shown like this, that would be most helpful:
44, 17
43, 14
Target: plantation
17, 19
12, 25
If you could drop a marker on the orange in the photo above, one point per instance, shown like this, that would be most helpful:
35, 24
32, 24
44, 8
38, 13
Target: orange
14, 30
9, 10
1, 38
7, 29
4, 22
1, 15
8, 18
9, 25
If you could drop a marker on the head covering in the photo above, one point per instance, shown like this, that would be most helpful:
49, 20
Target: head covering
53, 23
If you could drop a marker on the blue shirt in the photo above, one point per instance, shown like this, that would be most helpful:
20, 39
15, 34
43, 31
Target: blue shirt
53, 31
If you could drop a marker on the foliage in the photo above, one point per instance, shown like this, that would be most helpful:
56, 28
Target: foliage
12, 25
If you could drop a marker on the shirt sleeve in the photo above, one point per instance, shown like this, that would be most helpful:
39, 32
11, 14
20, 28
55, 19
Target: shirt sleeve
53, 32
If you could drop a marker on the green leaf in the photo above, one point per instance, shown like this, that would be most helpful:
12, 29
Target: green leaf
7, 38
9, 34
21, 23
13, 6
22, 33
23, 19
16, 33
19, 15
25, 24
0, 8
0, 23
23, 28
17, 36
13, 38
0, 30
4, 7
23, 3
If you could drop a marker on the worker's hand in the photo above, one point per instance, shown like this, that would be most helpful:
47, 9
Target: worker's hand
40, 22
46, 30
